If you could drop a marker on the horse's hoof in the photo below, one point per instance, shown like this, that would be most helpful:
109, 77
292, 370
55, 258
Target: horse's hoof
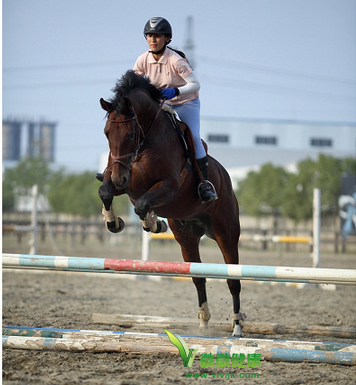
237, 332
112, 226
204, 315
203, 324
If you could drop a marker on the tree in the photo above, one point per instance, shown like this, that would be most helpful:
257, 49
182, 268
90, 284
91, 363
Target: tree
74, 194
28, 172
274, 191
19, 180
77, 194
8, 196
325, 174
261, 193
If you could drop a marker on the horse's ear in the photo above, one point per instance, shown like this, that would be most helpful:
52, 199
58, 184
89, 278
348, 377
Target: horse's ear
126, 102
105, 105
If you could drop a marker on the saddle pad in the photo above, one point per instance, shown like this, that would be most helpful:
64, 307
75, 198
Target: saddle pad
186, 133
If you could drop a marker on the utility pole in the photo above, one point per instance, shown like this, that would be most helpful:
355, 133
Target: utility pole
189, 42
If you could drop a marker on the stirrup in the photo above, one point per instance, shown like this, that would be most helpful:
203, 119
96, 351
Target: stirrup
207, 188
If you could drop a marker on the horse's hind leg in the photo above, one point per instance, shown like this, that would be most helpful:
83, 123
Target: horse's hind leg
188, 236
238, 317
227, 236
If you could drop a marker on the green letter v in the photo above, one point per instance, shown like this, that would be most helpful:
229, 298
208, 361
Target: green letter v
186, 353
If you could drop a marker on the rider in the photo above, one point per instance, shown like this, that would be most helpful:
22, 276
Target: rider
169, 70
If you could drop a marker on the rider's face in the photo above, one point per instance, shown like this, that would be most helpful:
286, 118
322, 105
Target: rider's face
156, 42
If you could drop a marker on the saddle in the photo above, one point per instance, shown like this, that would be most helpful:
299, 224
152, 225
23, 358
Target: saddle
184, 133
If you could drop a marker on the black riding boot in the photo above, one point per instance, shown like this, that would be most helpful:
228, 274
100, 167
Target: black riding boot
99, 176
206, 189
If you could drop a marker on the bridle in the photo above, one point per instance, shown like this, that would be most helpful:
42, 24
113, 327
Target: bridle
132, 156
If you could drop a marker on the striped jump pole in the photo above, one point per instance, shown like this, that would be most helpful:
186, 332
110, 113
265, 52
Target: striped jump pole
101, 341
132, 320
189, 269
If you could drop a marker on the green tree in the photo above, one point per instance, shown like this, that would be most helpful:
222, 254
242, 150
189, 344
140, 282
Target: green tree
324, 173
28, 172
261, 193
8, 196
77, 194
274, 191
19, 180
74, 194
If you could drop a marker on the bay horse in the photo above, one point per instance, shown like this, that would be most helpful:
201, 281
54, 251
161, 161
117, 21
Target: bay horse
148, 162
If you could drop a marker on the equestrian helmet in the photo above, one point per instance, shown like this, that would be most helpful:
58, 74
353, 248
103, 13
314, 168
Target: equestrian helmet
158, 26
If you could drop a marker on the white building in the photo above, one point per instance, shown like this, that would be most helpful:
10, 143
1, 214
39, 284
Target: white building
241, 145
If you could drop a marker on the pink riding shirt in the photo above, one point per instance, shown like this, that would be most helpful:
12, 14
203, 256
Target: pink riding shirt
170, 71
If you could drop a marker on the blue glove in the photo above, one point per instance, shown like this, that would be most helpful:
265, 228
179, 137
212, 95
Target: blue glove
169, 93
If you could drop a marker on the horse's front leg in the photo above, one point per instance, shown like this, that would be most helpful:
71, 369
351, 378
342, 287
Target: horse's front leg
159, 194
152, 224
113, 223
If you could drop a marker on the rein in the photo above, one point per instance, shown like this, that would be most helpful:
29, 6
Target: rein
138, 144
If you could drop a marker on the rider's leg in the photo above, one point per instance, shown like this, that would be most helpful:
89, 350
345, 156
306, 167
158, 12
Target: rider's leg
189, 112
206, 189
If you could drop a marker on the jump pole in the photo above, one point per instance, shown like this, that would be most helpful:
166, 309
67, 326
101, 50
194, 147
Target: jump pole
83, 333
270, 350
130, 320
315, 240
188, 269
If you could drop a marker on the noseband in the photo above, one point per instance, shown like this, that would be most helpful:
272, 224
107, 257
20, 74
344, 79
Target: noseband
138, 144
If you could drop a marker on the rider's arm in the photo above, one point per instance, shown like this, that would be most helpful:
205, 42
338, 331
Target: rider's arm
192, 85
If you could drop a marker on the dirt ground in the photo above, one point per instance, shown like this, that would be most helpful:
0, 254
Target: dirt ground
67, 300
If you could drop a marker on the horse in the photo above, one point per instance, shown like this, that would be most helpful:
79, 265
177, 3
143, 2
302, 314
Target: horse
148, 162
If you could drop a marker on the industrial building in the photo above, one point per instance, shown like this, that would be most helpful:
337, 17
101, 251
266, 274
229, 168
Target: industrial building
241, 145
23, 138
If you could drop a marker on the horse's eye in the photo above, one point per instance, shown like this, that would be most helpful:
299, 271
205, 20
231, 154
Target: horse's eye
131, 135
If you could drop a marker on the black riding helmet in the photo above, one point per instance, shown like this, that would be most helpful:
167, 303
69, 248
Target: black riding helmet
159, 26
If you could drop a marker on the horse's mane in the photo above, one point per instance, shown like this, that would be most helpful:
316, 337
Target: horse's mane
131, 81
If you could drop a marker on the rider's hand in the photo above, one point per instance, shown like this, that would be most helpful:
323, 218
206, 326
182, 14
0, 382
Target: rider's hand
169, 93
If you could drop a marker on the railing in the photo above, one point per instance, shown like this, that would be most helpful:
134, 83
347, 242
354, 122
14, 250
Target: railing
78, 232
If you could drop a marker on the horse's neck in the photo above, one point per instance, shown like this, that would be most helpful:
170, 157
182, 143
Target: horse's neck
149, 116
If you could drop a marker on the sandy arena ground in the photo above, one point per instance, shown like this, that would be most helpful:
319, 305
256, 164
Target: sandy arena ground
66, 300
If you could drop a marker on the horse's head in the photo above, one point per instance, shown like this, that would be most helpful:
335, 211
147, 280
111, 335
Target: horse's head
122, 129
124, 134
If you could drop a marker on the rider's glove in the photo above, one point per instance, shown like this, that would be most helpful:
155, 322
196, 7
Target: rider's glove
169, 93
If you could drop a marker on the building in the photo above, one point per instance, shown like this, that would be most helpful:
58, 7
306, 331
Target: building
11, 140
27, 138
241, 145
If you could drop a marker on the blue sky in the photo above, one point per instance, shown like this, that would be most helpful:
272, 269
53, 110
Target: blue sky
276, 59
